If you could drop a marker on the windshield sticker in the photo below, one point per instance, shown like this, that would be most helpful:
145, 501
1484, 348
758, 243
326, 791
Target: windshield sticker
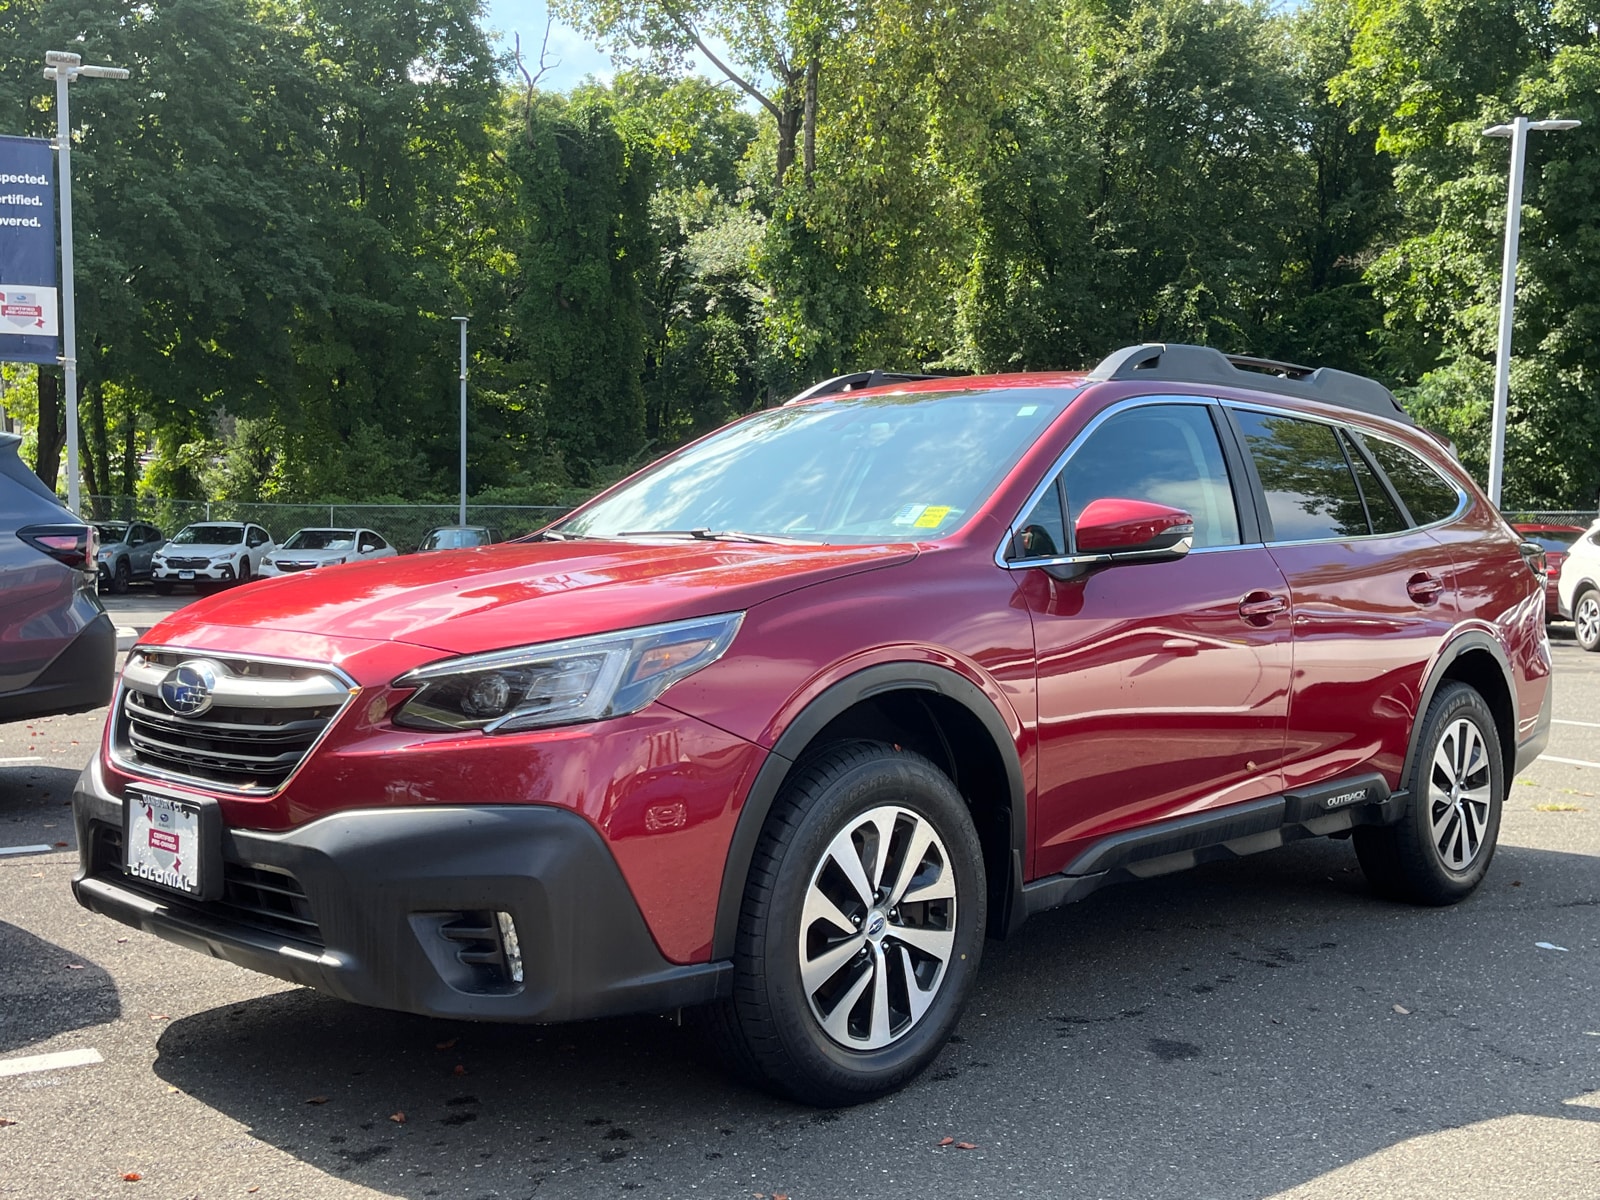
1027, 410
933, 515
908, 514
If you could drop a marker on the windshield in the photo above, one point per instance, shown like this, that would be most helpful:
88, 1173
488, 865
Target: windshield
209, 535
112, 532
454, 539
875, 469
320, 539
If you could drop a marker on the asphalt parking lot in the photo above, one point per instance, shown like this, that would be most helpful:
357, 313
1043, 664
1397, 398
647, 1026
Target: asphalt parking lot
1260, 1028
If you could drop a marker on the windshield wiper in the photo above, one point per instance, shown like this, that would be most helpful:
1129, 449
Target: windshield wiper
553, 535
716, 535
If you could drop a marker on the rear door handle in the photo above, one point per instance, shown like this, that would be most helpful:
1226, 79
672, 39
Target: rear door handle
1259, 608
1424, 588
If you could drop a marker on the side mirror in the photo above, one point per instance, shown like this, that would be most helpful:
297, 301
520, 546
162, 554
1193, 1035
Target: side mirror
1133, 529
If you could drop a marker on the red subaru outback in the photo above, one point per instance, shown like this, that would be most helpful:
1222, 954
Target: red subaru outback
787, 723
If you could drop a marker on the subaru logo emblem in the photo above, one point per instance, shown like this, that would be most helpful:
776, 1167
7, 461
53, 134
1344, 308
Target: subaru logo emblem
876, 925
187, 689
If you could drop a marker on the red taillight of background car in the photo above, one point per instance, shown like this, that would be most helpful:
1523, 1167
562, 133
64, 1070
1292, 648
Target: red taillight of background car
70, 545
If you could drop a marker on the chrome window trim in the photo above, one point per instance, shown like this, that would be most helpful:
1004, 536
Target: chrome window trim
205, 786
1088, 430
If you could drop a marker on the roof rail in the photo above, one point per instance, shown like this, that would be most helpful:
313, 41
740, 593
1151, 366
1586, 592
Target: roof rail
1206, 365
855, 382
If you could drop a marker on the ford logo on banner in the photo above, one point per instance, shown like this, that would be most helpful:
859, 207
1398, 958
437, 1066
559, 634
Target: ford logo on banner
188, 689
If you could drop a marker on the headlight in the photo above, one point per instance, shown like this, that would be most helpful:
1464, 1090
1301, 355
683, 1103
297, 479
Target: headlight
563, 683
104, 554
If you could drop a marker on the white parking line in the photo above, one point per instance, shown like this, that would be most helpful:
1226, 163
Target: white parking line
1585, 724
25, 849
17, 762
48, 1062
1571, 762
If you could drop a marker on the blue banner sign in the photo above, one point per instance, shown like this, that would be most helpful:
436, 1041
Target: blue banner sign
29, 313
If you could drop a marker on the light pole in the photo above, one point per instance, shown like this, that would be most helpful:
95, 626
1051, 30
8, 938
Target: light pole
463, 323
1517, 131
64, 67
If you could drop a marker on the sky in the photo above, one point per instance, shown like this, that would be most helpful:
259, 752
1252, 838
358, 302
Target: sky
576, 56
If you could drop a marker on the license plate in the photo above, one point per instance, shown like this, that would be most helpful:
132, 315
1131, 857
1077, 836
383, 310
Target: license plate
166, 843
185, 574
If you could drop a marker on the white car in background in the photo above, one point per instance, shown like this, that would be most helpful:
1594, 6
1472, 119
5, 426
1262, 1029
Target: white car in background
1578, 588
308, 548
210, 552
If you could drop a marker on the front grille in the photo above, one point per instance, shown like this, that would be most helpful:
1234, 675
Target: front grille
267, 899
284, 564
264, 718
188, 564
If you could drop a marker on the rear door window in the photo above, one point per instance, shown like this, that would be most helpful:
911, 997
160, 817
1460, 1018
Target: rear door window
1382, 511
1310, 490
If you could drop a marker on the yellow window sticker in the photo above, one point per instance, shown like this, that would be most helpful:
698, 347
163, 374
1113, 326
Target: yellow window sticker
933, 515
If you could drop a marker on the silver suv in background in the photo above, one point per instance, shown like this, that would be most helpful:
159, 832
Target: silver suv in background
126, 551
58, 648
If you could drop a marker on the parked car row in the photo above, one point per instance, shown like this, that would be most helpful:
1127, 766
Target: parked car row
224, 552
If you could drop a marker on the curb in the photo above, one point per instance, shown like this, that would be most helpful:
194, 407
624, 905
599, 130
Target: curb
127, 635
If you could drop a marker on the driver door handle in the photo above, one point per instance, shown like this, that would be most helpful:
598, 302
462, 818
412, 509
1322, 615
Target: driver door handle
1261, 608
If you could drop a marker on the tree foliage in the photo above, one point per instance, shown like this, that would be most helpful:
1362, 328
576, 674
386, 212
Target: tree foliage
282, 210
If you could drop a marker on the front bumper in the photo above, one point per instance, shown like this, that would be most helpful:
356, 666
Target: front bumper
397, 908
218, 573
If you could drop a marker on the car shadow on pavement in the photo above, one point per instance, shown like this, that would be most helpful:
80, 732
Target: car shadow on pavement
1236, 1031
46, 990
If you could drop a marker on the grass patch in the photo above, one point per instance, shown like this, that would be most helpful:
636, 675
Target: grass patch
1557, 808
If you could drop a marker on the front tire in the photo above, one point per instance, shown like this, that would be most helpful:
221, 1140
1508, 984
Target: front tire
1440, 849
861, 931
121, 577
1586, 619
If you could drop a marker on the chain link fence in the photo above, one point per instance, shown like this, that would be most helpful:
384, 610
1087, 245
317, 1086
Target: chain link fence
403, 525
1581, 517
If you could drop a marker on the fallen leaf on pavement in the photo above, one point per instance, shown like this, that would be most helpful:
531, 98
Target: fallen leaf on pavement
4, 1121
60, 844
1402, 1010
317, 1100
447, 1045
132, 1177
460, 1070
159, 1017
947, 1141
966, 1145
398, 1118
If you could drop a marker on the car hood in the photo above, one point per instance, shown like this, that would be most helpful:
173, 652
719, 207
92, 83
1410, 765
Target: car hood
316, 556
465, 601
198, 549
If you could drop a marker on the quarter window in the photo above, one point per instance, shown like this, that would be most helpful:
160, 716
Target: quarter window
1426, 493
1311, 494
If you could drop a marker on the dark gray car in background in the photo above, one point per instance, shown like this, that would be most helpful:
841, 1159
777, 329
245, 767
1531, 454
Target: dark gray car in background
126, 549
58, 647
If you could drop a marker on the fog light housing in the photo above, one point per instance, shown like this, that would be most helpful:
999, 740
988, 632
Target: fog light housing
510, 946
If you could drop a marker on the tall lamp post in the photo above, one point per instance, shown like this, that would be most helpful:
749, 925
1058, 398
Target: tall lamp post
1517, 131
64, 67
463, 323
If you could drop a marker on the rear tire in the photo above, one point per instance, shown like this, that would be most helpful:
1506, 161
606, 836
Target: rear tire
1586, 619
1440, 849
861, 931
